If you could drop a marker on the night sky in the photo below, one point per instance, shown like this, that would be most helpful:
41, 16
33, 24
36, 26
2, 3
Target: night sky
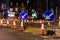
19, 2
4, 1
57, 2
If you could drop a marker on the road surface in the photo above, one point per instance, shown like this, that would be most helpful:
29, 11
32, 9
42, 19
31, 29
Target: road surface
13, 34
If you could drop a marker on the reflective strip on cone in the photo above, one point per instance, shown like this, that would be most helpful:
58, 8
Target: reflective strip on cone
7, 23
42, 26
1, 23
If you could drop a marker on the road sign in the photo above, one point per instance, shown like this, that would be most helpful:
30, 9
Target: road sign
49, 15
11, 9
3, 6
11, 14
23, 15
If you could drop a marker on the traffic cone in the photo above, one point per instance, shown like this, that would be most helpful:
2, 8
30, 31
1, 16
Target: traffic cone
43, 21
1, 23
27, 21
42, 31
49, 24
40, 22
14, 25
59, 24
32, 22
7, 24
21, 26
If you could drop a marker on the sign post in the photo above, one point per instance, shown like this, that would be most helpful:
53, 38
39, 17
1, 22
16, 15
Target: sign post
23, 15
50, 16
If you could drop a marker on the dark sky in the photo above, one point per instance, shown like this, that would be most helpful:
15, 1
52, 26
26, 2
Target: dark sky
57, 2
4, 1
19, 2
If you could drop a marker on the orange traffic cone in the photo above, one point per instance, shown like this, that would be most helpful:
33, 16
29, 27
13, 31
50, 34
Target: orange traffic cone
40, 22
1, 23
21, 26
42, 31
14, 25
7, 24
43, 21
27, 21
59, 24
32, 22
49, 24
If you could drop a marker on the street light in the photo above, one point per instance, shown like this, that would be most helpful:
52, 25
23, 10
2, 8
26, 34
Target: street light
16, 9
11, 4
22, 9
46, 4
27, 5
27, 2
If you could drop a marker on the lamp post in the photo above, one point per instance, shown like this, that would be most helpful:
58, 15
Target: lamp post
16, 9
27, 5
46, 4
27, 2
22, 9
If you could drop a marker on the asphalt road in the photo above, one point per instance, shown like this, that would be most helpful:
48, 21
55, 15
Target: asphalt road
13, 34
